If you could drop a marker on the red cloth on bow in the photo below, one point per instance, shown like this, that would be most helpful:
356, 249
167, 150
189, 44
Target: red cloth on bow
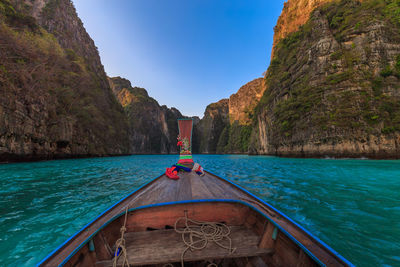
172, 173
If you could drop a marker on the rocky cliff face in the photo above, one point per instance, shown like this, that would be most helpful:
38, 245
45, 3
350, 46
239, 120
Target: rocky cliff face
332, 88
226, 125
334, 85
152, 128
55, 100
210, 127
59, 18
241, 104
295, 13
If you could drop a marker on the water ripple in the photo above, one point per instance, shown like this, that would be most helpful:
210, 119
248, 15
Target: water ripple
352, 205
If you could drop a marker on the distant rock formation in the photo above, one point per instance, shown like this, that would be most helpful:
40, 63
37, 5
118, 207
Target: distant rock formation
226, 125
242, 104
153, 129
210, 127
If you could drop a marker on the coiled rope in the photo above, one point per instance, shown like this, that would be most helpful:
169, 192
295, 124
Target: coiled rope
120, 244
196, 235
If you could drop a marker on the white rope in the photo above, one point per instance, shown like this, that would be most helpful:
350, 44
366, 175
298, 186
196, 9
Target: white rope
196, 235
120, 244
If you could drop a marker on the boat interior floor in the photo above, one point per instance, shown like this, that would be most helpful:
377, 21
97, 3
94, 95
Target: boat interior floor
160, 247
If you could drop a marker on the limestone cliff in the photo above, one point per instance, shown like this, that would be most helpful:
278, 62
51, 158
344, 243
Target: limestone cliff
241, 104
333, 86
210, 127
295, 13
152, 128
55, 100
59, 18
226, 125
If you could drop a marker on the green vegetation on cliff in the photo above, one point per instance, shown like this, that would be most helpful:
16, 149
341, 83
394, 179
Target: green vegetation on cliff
226, 126
211, 126
16, 19
234, 138
52, 104
152, 128
337, 77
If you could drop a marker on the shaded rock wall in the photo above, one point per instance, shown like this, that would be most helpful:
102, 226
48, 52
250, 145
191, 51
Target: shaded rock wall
210, 127
152, 128
226, 125
55, 101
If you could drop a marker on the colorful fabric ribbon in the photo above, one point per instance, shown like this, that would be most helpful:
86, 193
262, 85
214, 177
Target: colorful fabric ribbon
172, 172
198, 169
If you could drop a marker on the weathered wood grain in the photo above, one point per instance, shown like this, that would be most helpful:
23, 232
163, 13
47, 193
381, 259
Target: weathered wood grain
163, 246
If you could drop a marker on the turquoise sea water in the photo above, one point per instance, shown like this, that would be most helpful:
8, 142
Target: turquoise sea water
352, 205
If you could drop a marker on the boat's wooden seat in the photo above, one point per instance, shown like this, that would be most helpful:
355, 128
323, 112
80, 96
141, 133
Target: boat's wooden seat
163, 246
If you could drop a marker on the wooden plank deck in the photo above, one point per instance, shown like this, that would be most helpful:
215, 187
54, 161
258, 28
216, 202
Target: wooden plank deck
190, 186
166, 246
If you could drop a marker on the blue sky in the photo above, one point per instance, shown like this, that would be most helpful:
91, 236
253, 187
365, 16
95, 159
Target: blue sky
187, 53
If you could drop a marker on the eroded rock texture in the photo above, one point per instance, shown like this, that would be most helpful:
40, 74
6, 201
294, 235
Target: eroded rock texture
152, 128
55, 100
226, 125
295, 13
242, 104
210, 127
333, 86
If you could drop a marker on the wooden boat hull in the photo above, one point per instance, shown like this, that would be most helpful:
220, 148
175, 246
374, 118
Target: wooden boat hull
262, 235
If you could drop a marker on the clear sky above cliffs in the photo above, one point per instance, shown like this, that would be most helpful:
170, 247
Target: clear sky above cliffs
186, 53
